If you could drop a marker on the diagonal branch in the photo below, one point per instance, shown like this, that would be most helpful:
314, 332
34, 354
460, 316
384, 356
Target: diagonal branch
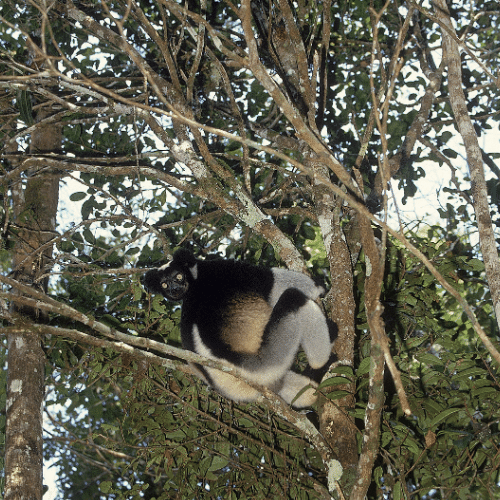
487, 239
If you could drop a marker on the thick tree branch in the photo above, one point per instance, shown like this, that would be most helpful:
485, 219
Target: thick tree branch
487, 238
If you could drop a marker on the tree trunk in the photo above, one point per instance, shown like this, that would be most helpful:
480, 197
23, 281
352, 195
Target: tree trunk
35, 198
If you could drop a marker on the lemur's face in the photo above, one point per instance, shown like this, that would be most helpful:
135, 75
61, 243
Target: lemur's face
168, 280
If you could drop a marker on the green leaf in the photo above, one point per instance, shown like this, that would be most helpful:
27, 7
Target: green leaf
442, 416
218, 463
364, 367
334, 381
78, 196
106, 487
337, 395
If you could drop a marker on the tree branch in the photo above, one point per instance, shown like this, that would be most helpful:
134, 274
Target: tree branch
487, 238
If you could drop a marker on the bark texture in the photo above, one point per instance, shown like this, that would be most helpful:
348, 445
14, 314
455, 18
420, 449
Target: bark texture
35, 207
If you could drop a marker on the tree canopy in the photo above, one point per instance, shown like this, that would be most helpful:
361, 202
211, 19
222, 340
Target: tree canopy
282, 133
